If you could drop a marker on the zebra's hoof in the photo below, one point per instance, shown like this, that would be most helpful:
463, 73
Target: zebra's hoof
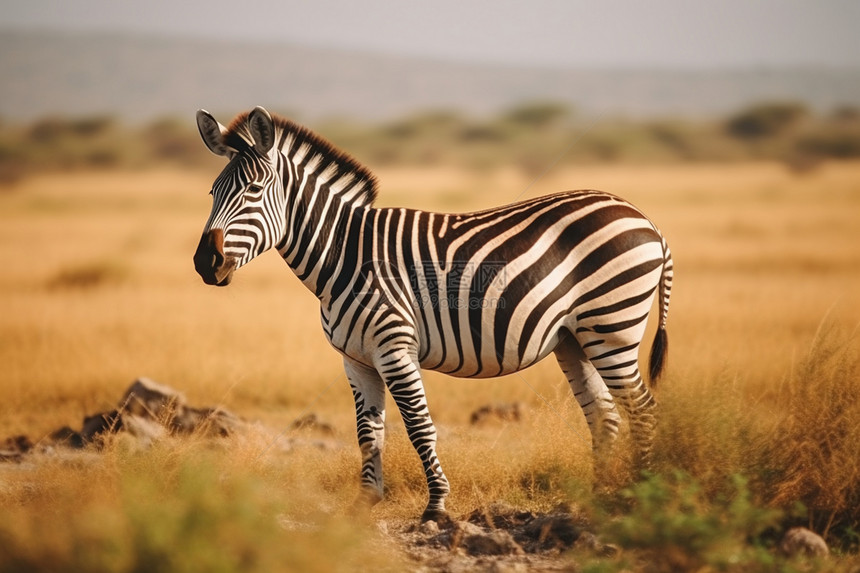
440, 516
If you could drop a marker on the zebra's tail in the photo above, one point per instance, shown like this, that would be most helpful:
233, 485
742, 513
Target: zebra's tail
660, 347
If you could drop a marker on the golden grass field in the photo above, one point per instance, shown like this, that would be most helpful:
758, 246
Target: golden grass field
98, 288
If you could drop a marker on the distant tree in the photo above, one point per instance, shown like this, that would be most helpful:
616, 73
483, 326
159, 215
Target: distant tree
91, 126
765, 119
429, 123
846, 113
50, 129
536, 115
481, 132
170, 138
832, 143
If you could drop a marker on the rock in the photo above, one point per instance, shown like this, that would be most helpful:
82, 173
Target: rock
500, 515
210, 422
497, 542
147, 412
98, 425
590, 542
144, 429
460, 529
149, 399
66, 436
801, 541
473, 540
553, 531
535, 533
506, 412
429, 528
20, 444
311, 421
13, 448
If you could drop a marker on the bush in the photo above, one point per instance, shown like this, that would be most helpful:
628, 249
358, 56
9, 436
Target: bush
765, 120
172, 510
531, 136
536, 115
677, 527
89, 275
815, 453
833, 143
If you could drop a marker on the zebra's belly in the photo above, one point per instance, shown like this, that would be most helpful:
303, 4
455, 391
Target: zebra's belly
464, 361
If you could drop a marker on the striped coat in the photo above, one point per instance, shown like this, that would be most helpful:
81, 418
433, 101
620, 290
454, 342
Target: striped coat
472, 295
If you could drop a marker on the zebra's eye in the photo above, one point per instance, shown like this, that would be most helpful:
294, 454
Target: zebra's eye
254, 190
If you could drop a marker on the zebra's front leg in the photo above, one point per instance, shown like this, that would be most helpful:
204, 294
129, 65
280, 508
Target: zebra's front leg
403, 378
368, 390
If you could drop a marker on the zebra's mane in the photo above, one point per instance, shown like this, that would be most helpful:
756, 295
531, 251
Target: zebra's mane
238, 136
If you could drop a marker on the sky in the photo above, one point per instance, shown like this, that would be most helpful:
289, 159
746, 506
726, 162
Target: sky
551, 33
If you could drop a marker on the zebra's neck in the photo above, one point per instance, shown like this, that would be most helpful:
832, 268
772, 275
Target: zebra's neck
326, 196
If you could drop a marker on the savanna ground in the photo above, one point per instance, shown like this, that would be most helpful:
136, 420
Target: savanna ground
760, 406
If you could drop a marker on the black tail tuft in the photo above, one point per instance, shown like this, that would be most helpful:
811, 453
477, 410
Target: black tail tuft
658, 355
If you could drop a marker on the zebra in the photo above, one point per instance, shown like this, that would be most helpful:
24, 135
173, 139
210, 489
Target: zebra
479, 294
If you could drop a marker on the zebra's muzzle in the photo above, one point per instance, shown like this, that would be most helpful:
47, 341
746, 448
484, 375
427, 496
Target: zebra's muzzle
210, 262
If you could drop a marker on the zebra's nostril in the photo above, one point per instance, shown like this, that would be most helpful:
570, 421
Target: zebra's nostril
209, 259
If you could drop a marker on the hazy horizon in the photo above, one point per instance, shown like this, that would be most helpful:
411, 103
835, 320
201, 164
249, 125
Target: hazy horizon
382, 58
548, 33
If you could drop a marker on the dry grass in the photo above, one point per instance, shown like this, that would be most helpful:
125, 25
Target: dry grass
98, 288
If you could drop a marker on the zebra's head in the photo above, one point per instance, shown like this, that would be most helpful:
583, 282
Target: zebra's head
248, 202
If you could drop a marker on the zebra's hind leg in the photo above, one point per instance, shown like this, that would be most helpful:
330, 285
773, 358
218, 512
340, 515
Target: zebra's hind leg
403, 378
641, 408
592, 395
616, 358
368, 390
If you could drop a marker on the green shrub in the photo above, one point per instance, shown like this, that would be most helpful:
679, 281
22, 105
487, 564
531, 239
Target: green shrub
765, 119
171, 510
672, 522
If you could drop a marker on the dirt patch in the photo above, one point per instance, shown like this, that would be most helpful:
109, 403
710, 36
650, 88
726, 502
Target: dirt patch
498, 538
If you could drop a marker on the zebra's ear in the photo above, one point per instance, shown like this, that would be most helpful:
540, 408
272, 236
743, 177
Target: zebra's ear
262, 129
211, 131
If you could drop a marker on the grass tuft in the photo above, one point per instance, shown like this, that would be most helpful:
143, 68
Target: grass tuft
90, 275
174, 507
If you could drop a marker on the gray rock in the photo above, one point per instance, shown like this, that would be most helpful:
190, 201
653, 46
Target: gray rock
429, 528
66, 436
209, 422
96, 427
590, 542
553, 531
145, 430
149, 399
801, 541
473, 540
497, 542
